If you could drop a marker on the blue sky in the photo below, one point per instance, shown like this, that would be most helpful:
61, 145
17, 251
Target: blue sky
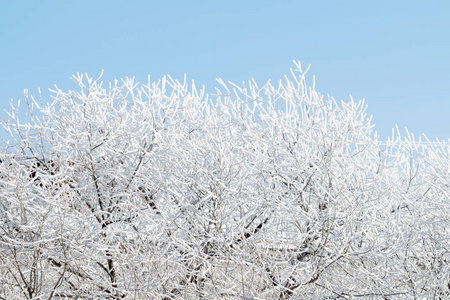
395, 54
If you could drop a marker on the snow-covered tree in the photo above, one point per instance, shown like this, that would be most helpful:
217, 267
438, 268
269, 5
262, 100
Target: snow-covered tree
158, 191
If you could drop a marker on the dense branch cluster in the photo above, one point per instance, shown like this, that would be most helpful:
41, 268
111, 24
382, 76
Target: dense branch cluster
158, 191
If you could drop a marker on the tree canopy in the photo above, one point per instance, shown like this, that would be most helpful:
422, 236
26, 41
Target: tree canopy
159, 191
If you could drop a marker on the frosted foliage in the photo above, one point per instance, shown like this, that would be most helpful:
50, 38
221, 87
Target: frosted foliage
157, 191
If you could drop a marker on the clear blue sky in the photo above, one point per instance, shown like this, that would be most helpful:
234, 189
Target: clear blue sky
395, 54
